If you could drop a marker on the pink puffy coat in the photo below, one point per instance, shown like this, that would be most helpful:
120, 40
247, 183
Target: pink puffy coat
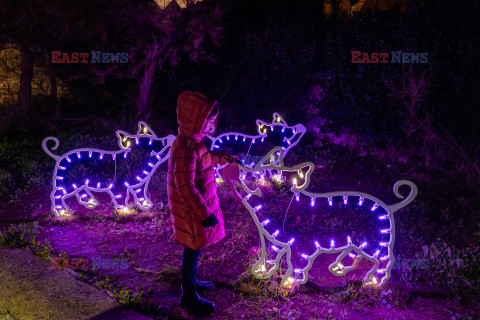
191, 186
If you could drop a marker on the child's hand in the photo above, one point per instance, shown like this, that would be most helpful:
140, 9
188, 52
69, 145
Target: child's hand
210, 221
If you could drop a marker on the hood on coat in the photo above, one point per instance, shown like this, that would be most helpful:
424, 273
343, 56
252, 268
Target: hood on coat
193, 109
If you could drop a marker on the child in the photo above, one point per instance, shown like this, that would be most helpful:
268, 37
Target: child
192, 192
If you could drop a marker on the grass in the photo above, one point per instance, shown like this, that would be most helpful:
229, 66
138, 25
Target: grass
20, 235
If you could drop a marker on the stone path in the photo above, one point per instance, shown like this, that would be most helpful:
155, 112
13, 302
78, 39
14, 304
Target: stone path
31, 289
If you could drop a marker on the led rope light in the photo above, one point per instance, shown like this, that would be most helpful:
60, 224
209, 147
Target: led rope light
277, 124
136, 187
337, 268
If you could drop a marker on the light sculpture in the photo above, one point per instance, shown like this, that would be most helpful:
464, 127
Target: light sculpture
344, 248
135, 187
287, 137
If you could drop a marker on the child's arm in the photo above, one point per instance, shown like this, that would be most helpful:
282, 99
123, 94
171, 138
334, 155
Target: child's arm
184, 167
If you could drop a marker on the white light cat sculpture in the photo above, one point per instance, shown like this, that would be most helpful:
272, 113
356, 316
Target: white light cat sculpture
273, 161
67, 184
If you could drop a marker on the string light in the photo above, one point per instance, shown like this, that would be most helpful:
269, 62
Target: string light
264, 129
64, 162
337, 268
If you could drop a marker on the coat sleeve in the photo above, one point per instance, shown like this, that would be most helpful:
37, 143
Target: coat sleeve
184, 167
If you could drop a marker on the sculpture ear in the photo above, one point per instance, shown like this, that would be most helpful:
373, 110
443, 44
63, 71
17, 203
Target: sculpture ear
278, 119
144, 129
304, 170
261, 126
273, 157
124, 139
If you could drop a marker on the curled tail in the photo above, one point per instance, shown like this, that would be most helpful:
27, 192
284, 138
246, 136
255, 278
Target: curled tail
413, 193
47, 150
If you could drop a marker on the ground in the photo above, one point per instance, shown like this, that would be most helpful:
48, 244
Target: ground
138, 252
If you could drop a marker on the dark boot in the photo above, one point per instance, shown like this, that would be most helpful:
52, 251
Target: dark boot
205, 286
195, 304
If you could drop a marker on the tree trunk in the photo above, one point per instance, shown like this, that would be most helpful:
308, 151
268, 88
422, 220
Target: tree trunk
53, 90
25, 90
144, 94
151, 63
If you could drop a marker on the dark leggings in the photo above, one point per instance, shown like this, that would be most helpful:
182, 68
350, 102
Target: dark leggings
189, 268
